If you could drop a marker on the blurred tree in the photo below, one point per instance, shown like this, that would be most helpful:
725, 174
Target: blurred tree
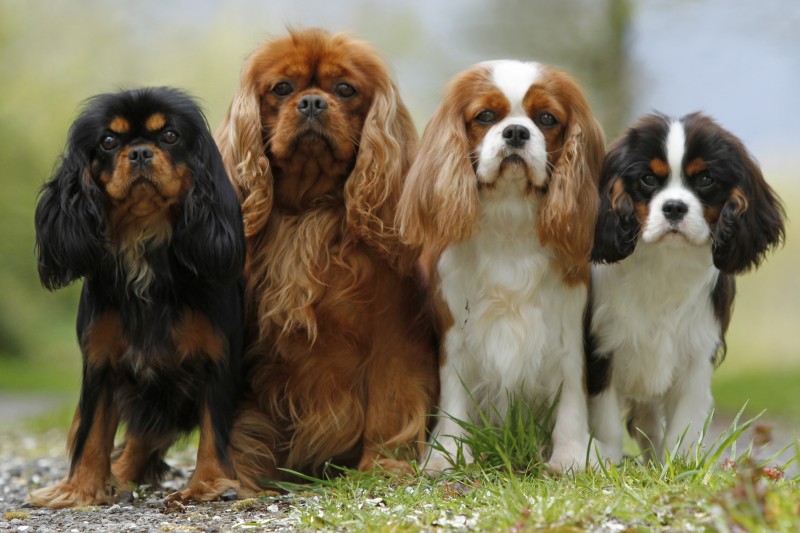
585, 37
53, 55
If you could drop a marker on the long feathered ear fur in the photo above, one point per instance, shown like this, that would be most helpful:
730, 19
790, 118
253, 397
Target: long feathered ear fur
752, 220
208, 238
617, 228
241, 143
439, 204
386, 148
568, 214
70, 222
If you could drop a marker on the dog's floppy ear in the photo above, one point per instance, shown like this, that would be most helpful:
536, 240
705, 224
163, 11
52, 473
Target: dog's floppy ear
440, 203
617, 227
209, 238
386, 148
241, 142
70, 221
752, 220
569, 212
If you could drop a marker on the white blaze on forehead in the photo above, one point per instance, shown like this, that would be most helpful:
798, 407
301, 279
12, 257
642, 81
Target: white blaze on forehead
514, 78
693, 225
676, 146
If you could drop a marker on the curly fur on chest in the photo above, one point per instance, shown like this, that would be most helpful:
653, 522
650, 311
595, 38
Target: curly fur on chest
308, 261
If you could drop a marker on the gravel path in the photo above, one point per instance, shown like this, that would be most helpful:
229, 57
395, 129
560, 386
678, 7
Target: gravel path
31, 461
28, 462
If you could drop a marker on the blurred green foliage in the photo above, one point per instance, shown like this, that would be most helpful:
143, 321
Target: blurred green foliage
773, 388
54, 55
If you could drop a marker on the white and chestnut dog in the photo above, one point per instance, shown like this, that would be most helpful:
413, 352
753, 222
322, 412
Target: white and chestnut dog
503, 197
683, 209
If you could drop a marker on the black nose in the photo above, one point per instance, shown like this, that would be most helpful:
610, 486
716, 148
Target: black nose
675, 210
312, 105
516, 135
140, 155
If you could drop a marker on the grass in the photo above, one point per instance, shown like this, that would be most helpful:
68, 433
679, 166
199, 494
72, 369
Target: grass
770, 388
632, 498
29, 375
718, 488
47, 357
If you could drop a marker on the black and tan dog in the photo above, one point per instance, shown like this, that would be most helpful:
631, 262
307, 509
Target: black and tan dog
141, 208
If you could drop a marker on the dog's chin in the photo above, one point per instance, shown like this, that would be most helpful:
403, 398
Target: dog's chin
673, 237
512, 163
512, 169
149, 182
143, 179
142, 190
133, 186
310, 138
310, 141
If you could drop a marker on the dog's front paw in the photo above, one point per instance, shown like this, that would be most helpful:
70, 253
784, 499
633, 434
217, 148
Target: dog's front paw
437, 463
73, 493
371, 462
572, 456
609, 453
200, 490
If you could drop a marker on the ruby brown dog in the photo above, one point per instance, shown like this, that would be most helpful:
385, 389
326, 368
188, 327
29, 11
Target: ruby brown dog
340, 357
503, 198
141, 208
684, 209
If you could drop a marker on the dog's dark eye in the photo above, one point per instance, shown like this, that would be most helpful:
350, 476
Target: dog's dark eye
704, 181
109, 142
345, 90
169, 137
283, 89
546, 120
649, 182
486, 117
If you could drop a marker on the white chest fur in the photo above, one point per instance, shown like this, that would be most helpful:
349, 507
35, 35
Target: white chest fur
653, 312
513, 317
517, 328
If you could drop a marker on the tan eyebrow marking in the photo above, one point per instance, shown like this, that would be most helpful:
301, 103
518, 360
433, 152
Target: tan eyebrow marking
119, 125
695, 166
659, 167
154, 122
